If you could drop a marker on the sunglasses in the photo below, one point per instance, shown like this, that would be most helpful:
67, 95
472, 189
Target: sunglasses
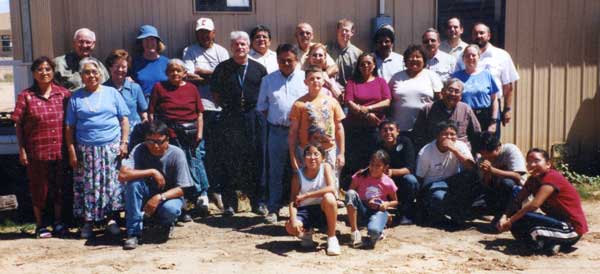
156, 142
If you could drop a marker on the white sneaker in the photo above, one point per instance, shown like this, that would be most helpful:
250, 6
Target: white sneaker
306, 239
356, 238
87, 231
333, 246
406, 221
113, 228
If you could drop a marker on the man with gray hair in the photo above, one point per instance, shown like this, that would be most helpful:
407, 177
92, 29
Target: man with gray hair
235, 85
443, 64
449, 108
67, 66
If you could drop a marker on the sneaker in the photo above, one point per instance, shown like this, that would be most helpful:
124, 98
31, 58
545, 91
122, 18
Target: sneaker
42, 233
131, 243
406, 221
185, 217
113, 228
271, 218
218, 201
228, 212
87, 231
333, 246
59, 230
356, 238
306, 239
553, 250
202, 205
262, 210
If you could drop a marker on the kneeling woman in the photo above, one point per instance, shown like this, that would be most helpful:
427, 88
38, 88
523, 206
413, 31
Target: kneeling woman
371, 193
312, 196
564, 222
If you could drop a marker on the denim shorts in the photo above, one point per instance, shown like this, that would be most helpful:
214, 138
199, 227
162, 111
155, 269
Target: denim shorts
311, 216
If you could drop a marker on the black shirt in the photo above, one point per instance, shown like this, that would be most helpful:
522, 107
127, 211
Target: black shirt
402, 155
226, 80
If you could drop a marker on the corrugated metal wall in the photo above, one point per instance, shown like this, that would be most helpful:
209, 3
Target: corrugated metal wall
554, 43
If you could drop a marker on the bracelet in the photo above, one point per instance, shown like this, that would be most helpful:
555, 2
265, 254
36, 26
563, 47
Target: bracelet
124, 142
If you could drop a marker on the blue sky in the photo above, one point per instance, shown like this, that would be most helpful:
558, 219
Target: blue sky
4, 6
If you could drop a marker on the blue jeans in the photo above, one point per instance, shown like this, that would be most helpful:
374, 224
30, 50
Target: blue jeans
375, 219
137, 193
195, 160
499, 195
278, 163
408, 186
433, 199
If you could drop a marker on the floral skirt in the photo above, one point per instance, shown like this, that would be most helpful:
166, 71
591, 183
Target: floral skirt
96, 190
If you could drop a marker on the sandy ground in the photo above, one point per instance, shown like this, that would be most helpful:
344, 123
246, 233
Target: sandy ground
242, 244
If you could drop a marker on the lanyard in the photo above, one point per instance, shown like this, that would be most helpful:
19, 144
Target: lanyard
243, 76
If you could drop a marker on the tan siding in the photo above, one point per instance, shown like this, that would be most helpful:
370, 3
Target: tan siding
16, 28
554, 44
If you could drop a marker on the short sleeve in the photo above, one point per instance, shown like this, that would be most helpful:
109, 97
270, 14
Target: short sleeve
464, 149
182, 177
188, 60
154, 98
142, 105
350, 90
262, 104
20, 106
436, 82
122, 109
71, 115
515, 159
199, 105
422, 163
509, 73
338, 112
385, 89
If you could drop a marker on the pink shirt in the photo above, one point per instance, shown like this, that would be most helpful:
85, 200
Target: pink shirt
369, 187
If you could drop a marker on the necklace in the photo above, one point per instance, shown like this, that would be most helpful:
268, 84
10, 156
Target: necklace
86, 100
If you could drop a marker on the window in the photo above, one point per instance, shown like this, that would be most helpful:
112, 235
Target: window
6, 42
490, 12
223, 5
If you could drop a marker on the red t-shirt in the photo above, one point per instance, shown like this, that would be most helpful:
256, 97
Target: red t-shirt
178, 104
564, 203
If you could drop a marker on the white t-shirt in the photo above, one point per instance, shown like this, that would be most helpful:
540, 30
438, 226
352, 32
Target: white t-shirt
434, 166
409, 95
196, 56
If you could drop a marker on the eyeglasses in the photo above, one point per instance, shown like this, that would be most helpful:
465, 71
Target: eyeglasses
90, 72
156, 142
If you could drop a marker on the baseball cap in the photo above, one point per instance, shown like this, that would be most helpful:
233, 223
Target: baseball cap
205, 23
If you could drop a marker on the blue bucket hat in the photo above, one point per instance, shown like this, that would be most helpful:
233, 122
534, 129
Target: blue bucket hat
148, 31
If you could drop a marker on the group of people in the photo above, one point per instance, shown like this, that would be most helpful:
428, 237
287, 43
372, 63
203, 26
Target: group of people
413, 135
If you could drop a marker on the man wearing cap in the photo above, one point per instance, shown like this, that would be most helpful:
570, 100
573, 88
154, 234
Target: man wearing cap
388, 62
260, 51
201, 58
149, 67
67, 66
235, 86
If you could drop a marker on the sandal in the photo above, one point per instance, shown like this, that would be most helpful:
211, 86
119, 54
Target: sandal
59, 230
42, 233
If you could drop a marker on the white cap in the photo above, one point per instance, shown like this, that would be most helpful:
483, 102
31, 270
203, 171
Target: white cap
205, 23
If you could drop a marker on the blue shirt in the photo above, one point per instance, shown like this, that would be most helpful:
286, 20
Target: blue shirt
96, 115
479, 87
277, 95
149, 72
134, 99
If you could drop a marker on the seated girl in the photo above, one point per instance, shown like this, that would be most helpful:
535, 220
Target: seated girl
371, 193
564, 222
313, 203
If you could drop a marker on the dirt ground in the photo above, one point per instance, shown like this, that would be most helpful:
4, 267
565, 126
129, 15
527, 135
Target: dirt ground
243, 244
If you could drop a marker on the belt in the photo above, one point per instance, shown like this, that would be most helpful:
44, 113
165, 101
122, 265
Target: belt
278, 126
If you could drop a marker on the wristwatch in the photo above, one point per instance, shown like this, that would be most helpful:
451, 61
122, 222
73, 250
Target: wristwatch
162, 197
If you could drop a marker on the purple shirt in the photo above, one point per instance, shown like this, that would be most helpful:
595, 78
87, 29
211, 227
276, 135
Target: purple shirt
366, 94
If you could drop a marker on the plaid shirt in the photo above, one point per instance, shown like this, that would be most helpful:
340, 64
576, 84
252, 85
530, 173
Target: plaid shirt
42, 122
